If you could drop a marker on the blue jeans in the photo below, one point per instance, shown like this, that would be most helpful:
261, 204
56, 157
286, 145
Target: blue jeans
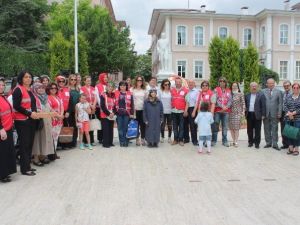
223, 119
292, 142
178, 127
122, 122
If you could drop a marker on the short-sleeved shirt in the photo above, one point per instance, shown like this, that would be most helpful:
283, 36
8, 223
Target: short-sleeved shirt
82, 115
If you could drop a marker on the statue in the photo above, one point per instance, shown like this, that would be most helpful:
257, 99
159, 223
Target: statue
163, 52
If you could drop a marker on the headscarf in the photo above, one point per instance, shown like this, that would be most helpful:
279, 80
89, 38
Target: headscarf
60, 77
101, 78
42, 97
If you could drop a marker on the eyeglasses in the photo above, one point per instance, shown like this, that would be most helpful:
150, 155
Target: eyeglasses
73, 79
139, 80
53, 88
286, 86
295, 87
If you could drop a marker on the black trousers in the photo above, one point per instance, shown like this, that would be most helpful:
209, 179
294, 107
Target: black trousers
91, 132
140, 119
99, 132
72, 123
167, 120
285, 141
26, 131
108, 132
253, 129
190, 126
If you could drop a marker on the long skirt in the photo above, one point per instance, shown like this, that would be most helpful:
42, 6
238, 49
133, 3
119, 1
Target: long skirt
55, 133
7, 156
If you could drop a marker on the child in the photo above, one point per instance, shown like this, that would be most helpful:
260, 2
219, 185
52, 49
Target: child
204, 120
82, 111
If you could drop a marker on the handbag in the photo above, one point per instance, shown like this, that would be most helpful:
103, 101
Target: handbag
291, 132
132, 129
66, 135
95, 124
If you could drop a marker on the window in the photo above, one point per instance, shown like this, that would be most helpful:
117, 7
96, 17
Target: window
181, 35
199, 36
297, 34
198, 70
263, 36
181, 68
284, 33
283, 70
297, 77
247, 36
223, 32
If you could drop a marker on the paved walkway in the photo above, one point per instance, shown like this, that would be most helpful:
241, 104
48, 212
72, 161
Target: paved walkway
165, 186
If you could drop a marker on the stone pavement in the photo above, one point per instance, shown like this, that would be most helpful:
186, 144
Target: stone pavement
164, 186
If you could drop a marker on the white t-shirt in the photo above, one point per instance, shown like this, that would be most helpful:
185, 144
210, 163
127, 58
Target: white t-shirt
139, 97
204, 121
165, 98
82, 115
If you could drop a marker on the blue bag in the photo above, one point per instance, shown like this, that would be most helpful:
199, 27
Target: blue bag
133, 129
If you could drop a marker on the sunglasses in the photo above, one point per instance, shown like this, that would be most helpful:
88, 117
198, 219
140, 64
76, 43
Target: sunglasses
222, 81
166, 84
295, 87
53, 88
73, 80
139, 80
61, 81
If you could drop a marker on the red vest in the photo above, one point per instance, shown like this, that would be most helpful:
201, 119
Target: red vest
64, 95
100, 88
25, 103
56, 106
109, 103
90, 94
6, 114
178, 98
204, 97
222, 98
127, 100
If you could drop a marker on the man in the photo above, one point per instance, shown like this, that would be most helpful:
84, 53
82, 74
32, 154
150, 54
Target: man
222, 109
189, 117
152, 84
287, 91
178, 103
273, 114
255, 112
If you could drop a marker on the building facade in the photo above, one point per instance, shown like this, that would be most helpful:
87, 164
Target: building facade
275, 33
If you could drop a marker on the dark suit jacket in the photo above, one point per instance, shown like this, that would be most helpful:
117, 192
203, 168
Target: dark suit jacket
259, 105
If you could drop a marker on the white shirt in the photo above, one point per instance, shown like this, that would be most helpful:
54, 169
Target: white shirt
82, 115
139, 97
252, 102
165, 98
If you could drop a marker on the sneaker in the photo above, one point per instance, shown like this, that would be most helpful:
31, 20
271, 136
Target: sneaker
81, 146
90, 147
86, 145
169, 140
181, 143
162, 140
199, 151
213, 144
93, 144
144, 143
174, 143
226, 144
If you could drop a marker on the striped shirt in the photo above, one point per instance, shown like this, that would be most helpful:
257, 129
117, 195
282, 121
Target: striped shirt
292, 104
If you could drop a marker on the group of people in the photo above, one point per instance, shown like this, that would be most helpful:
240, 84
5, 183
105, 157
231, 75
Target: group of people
38, 108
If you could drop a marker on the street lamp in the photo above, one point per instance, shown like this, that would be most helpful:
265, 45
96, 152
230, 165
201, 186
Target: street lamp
75, 36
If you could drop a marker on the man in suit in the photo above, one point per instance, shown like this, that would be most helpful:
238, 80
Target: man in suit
287, 91
255, 112
273, 114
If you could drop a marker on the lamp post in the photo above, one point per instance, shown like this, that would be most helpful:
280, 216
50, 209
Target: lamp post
75, 36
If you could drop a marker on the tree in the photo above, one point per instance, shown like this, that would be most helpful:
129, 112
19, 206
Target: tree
215, 60
59, 54
83, 48
250, 65
230, 61
265, 74
144, 65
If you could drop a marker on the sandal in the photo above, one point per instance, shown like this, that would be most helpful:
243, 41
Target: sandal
40, 164
289, 152
29, 173
295, 153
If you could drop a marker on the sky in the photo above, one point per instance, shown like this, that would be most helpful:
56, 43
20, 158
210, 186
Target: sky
137, 13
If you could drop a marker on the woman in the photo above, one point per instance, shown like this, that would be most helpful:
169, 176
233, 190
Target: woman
7, 152
78, 82
74, 99
139, 95
108, 109
237, 112
45, 80
91, 98
153, 116
24, 105
56, 105
124, 111
42, 145
292, 107
165, 97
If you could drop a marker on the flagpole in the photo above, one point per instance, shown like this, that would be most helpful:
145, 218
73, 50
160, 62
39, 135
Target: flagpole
75, 36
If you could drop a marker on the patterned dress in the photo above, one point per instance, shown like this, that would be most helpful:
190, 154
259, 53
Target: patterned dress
237, 111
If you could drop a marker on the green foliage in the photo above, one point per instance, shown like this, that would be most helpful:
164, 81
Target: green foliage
250, 65
13, 60
22, 24
265, 74
59, 49
231, 60
241, 62
215, 60
144, 65
83, 48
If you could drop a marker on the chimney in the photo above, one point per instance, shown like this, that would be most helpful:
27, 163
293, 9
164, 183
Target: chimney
203, 8
244, 10
286, 5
